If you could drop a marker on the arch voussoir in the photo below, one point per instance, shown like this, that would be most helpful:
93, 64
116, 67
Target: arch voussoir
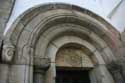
41, 32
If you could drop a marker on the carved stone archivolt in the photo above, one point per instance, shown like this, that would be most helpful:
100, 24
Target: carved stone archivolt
8, 52
34, 27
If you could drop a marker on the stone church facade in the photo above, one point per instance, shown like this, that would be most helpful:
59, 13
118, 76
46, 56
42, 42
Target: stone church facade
61, 37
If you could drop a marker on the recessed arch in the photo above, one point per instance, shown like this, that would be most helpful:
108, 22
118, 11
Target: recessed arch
54, 47
91, 20
39, 28
73, 55
63, 30
66, 40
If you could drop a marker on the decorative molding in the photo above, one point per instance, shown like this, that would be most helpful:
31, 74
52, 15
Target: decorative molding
8, 52
42, 63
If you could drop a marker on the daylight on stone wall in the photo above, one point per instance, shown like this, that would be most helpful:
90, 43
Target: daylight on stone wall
62, 41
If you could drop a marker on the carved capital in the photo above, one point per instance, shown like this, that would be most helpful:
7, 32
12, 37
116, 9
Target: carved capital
41, 63
8, 52
39, 71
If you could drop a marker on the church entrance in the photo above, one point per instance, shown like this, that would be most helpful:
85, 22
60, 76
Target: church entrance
73, 65
64, 75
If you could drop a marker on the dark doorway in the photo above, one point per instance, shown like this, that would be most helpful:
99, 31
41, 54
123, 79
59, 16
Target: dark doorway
72, 76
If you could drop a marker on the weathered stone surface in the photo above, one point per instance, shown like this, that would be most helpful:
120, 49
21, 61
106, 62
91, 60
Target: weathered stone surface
103, 75
8, 52
51, 74
4, 73
42, 63
98, 56
20, 74
72, 57
123, 36
5, 10
115, 69
40, 33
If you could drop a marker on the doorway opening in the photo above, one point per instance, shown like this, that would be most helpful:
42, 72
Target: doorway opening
72, 75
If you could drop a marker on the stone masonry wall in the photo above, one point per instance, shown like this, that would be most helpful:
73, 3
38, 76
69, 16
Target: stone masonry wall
5, 11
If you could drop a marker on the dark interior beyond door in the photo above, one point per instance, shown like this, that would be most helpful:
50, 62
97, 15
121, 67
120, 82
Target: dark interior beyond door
72, 76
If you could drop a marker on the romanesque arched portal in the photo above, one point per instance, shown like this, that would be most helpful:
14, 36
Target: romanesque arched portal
34, 40
73, 65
